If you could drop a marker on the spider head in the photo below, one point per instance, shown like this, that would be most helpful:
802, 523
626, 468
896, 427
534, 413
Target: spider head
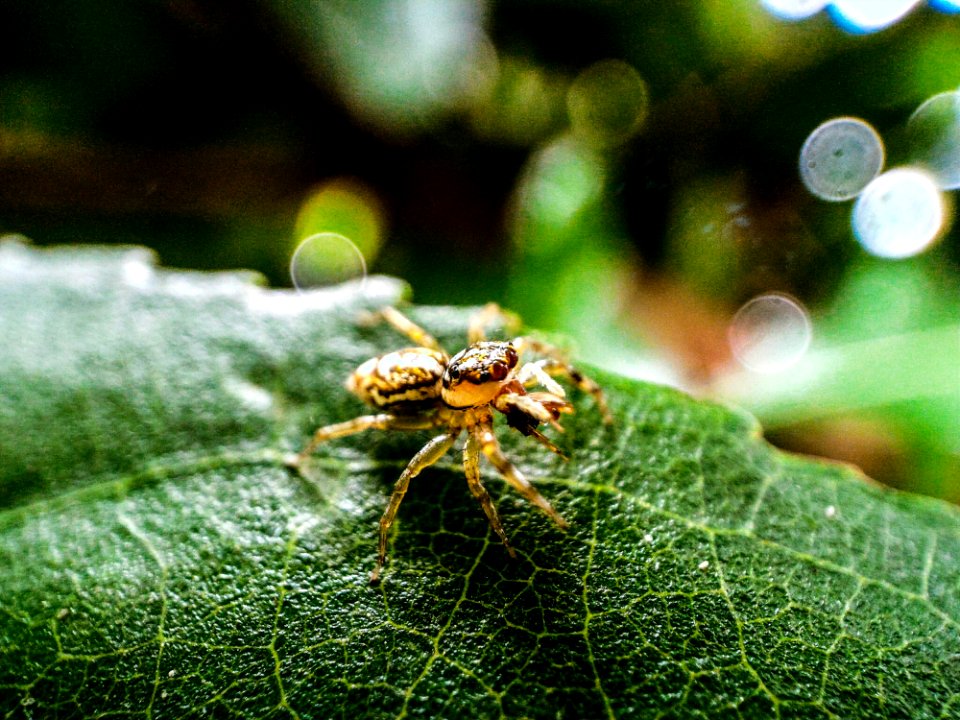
476, 375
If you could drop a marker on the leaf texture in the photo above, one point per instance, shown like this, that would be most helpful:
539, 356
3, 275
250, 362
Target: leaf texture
158, 560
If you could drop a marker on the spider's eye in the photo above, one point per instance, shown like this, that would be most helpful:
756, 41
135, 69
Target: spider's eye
498, 371
512, 356
454, 372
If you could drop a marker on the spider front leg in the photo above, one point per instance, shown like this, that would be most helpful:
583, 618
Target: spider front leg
555, 364
491, 448
487, 316
428, 455
359, 424
532, 373
471, 467
405, 326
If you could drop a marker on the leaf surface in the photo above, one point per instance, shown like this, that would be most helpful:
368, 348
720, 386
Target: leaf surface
158, 560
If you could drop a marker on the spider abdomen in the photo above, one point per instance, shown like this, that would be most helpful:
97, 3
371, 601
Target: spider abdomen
407, 379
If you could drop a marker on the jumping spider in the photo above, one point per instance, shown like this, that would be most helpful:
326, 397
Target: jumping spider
420, 388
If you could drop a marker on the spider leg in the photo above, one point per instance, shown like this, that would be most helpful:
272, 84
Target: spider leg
491, 448
359, 424
471, 466
532, 373
545, 441
405, 326
556, 364
428, 455
486, 316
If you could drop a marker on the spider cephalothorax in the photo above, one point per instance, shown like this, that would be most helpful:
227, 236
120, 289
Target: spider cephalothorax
421, 387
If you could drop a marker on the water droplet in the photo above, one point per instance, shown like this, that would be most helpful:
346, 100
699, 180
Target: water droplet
770, 333
840, 158
934, 130
326, 259
899, 214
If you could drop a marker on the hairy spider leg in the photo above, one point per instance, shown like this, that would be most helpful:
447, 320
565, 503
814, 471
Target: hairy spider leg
545, 441
555, 364
359, 424
471, 467
491, 448
487, 316
405, 326
532, 373
427, 456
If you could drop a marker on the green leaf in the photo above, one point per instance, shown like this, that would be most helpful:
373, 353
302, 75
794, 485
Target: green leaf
158, 560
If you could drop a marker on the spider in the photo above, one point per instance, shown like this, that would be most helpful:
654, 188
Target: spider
421, 388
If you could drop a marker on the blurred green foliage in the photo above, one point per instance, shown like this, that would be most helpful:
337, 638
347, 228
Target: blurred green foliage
491, 155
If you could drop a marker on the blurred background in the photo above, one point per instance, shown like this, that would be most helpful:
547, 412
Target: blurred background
751, 200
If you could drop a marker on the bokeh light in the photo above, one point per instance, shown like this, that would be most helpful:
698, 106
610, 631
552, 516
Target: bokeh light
559, 181
345, 206
401, 64
865, 16
840, 158
326, 259
521, 102
794, 9
899, 214
607, 103
934, 131
479, 78
770, 333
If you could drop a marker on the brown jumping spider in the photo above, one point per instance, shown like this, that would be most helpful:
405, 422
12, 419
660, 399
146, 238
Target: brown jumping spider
421, 388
